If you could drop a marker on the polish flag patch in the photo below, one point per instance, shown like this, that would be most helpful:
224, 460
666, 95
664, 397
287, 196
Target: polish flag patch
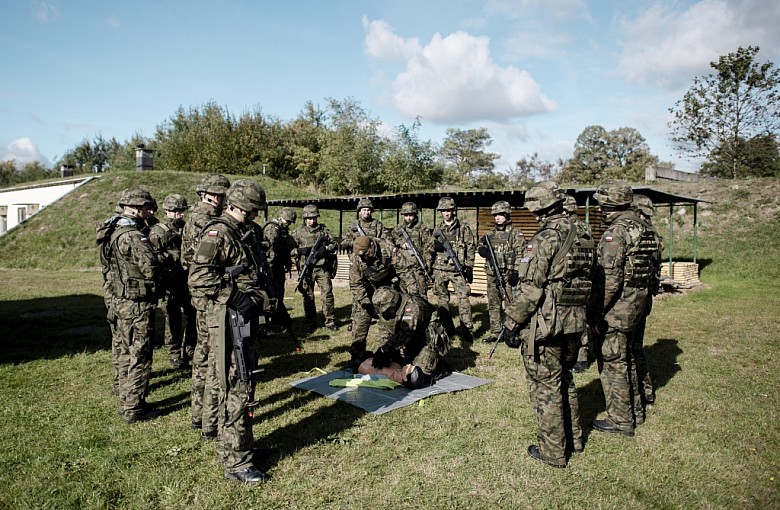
530, 247
608, 239
213, 233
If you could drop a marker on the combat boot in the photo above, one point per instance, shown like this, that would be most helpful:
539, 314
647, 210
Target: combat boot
250, 475
536, 454
609, 427
466, 334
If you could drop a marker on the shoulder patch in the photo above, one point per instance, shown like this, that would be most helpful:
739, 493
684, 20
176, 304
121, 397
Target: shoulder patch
529, 248
607, 239
213, 233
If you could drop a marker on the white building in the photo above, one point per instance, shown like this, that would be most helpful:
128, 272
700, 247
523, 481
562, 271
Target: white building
19, 203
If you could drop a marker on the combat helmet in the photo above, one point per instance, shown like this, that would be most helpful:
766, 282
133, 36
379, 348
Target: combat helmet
288, 215
386, 302
136, 197
213, 183
364, 203
409, 208
501, 207
310, 211
614, 194
569, 204
175, 202
246, 194
542, 198
644, 205
446, 204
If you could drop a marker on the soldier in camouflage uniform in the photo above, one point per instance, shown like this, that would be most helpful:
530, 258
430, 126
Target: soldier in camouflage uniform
548, 315
422, 239
278, 245
508, 242
645, 395
135, 274
211, 190
624, 274
365, 225
583, 231
414, 353
461, 239
375, 263
324, 269
177, 310
221, 247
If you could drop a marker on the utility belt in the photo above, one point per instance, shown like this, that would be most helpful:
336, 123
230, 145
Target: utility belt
140, 290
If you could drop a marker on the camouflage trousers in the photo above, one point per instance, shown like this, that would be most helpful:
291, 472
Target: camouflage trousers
583, 352
618, 378
135, 331
644, 393
204, 399
181, 332
321, 277
441, 279
495, 304
554, 396
115, 342
361, 323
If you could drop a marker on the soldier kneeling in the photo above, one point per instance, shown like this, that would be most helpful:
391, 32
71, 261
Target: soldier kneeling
414, 355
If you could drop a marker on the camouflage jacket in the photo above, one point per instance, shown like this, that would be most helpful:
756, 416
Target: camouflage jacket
135, 270
546, 279
384, 270
409, 325
373, 228
279, 245
422, 238
508, 244
200, 214
305, 237
461, 238
623, 271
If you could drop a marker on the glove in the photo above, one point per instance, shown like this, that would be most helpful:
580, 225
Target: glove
468, 273
513, 278
381, 359
369, 308
483, 252
304, 252
509, 337
439, 247
243, 303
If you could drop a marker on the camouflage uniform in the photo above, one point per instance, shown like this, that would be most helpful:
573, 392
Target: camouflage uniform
323, 271
386, 267
417, 337
423, 241
178, 312
645, 394
203, 406
623, 276
221, 247
278, 245
135, 273
550, 307
461, 239
508, 243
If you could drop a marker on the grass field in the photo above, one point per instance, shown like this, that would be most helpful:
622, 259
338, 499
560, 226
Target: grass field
712, 440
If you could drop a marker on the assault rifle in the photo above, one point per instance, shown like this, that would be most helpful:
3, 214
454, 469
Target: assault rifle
265, 278
500, 282
413, 249
240, 334
311, 259
449, 251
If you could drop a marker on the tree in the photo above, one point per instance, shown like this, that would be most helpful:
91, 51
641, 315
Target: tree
600, 154
92, 155
409, 163
464, 156
761, 159
531, 169
722, 110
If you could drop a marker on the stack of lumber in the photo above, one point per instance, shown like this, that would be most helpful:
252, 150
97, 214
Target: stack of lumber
684, 273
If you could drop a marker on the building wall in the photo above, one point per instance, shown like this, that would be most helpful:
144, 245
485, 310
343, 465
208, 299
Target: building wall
19, 203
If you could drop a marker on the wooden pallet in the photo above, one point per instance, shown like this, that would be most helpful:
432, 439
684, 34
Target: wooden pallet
684, 273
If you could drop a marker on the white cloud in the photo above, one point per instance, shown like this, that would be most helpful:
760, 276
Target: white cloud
668, 47
454, 79
45, 10
22, 150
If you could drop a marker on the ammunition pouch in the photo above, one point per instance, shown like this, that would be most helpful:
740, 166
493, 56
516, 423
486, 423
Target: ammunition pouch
139, 290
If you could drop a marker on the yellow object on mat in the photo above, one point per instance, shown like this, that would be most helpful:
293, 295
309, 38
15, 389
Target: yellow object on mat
366, 381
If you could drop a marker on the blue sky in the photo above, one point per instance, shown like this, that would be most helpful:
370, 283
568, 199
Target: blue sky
535, 73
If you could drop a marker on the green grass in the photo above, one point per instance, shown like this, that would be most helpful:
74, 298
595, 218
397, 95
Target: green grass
712, 441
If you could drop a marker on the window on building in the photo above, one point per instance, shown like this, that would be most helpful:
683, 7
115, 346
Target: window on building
22, 211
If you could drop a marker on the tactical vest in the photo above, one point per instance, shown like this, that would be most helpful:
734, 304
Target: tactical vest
372, 228
571, 267
505, 258
455, 237
640, 267
126, 281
